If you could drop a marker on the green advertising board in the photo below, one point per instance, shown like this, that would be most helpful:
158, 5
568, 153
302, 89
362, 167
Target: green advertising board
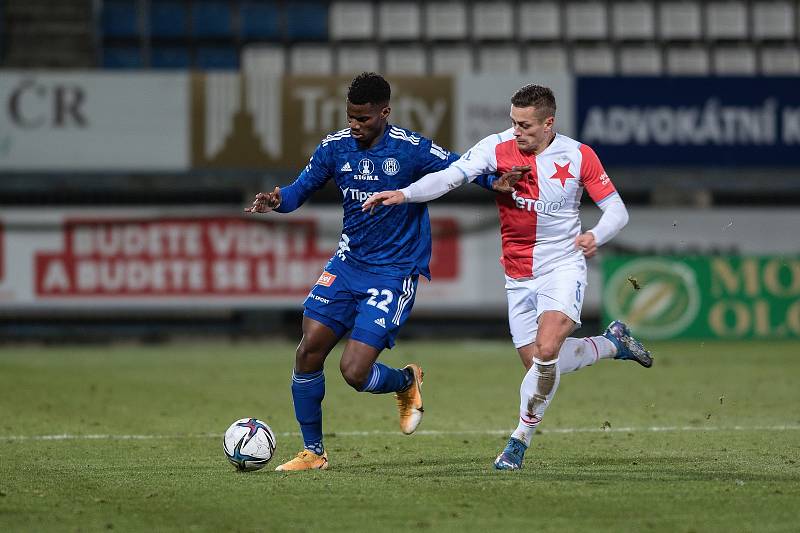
665, 297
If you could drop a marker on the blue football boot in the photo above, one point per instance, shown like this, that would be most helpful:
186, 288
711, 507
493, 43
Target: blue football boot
512, 456
627, 346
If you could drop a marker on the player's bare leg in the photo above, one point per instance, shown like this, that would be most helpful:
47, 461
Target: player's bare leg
363, 373
308, 390
356, 363
539, 385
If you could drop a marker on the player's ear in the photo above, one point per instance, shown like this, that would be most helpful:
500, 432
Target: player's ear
549, 122
385, 112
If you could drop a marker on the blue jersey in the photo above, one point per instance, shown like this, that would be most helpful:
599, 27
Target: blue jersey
393, 240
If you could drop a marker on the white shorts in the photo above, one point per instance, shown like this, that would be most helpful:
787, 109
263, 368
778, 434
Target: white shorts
562, 290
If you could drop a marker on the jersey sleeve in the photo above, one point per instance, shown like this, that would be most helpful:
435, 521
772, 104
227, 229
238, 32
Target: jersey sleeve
479, 159
312, 178
432, 157
594, 177
485, 181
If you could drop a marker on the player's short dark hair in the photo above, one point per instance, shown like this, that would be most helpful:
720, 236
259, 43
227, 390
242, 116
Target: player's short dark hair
369, 88
542, 98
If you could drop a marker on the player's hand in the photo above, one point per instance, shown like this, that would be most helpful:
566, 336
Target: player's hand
383, 198
265, 202
506, 182
587, 244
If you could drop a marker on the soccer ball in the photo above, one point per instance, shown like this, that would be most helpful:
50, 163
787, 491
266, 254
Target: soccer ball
249, 444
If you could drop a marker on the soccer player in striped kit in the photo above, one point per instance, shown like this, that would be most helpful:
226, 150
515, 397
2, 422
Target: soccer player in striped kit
544, 249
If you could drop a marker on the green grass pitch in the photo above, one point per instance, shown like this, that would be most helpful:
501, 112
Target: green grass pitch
706, 440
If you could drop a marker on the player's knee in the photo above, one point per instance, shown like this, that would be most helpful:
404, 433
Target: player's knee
354, 375
546, 350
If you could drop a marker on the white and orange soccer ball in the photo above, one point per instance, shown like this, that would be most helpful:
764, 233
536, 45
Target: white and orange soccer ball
249, 444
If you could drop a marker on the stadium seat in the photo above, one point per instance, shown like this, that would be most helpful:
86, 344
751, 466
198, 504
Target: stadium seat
406, 60
217, 57
680, 21
734, 61
641, 61
593, 60
170, 57
587, 21
264, 59
122, 57
120, 18
446, 21
260, 20
499, 60
307, 20
546, 59
352, 21
726, 20
354, 59
493, 20
211, 19
687, 61
399, 21
783, 61
451, 60
311, 59
168, 19
633, 21
540, 21
774, 20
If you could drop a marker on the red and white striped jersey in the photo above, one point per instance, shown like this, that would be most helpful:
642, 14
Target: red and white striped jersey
539, 221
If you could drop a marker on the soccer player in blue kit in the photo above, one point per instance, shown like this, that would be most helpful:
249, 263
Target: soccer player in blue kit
369, 285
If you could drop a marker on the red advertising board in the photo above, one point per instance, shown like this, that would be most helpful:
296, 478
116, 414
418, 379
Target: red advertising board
168, 258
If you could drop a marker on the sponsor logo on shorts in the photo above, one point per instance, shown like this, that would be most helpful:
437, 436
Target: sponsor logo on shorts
319, 298
381, 322
326, 279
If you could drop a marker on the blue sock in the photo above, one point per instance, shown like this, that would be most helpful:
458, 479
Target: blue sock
383, 379
308, 390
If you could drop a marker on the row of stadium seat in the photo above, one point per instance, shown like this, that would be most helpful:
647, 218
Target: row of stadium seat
387, 20
419, 60
214, 19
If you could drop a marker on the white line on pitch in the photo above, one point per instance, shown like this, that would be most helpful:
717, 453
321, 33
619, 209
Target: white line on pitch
428, 432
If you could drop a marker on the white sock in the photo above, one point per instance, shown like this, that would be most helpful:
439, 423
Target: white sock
578, 353
537, 390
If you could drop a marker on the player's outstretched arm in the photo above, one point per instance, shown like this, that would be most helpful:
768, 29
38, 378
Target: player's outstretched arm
383, 198
265, 202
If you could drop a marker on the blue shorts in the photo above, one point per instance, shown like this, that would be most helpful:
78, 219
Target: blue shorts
374, 306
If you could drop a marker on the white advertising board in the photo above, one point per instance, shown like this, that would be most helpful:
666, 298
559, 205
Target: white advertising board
93, 121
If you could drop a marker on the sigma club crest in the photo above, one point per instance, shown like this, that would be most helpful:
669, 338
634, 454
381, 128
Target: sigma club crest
391, 166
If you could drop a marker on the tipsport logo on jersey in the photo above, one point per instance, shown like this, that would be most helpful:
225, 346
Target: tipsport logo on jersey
260, 121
